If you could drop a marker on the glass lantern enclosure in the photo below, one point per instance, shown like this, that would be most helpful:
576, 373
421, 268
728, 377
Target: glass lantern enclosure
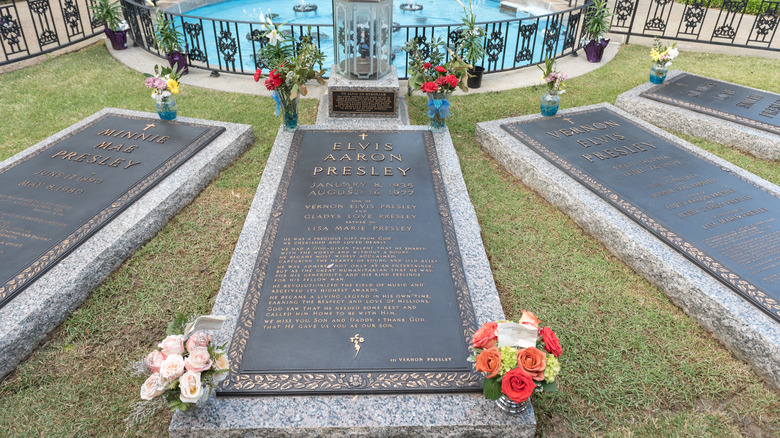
363, 38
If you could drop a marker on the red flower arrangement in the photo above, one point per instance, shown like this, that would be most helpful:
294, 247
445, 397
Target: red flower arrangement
518, 358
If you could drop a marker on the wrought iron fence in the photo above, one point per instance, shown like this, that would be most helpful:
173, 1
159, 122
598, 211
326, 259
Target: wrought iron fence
35, 27
696, 20
230, 46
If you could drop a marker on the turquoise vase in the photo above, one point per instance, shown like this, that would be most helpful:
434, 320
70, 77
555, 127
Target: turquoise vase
438, 111
288, 107
550, 103
166, 107
658, 73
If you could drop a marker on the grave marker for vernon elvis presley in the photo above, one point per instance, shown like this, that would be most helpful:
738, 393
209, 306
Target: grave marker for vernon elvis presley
54, 199
718, 220
359, 284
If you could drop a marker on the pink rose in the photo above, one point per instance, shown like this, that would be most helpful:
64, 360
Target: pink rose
173, 344
191, 388
153, 387
530, 319
172, 367
198, 339
154, 361
198, 360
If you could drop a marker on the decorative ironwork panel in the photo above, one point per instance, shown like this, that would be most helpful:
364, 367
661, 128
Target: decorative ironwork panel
146, 21
193, 33
226, 45
623, 12
658, 15
725, 26
524, 52
692, 17
11, 32
551, 36
43, 21
494, 46
766, 22
571, 31
72, 17
94, 22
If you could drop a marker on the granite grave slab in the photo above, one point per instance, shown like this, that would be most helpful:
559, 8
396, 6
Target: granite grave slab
179, 172
560, 169
734, 115
359, 415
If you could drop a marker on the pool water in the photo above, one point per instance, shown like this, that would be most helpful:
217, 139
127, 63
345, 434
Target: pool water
434, 13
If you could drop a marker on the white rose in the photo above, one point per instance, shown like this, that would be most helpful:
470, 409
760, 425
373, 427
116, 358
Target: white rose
198, 360
172, 367
221, 365
173, 344
153, 387
191, 388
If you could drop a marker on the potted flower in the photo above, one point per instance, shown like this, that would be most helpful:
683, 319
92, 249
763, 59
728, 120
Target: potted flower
662, 57
165, 85
472, 45
553, 79
183, 369
597, 23
437, 81
168, 39
518, 358
292, 65
115, 26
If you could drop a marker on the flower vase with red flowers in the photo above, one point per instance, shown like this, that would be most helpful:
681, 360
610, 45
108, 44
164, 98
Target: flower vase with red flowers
291, 63
437, 79
518, 358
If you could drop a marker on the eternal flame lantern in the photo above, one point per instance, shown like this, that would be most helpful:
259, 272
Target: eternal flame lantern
363, 38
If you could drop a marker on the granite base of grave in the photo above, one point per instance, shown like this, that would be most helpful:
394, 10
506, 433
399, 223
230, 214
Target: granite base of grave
50, 299
350, 415
744, 329
758, 142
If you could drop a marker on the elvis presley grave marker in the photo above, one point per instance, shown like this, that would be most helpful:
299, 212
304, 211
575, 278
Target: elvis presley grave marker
59, 196
359, 285
718, 220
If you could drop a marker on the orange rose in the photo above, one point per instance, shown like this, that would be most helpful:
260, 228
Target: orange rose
533, 361
530, 319
489, 361
486, 336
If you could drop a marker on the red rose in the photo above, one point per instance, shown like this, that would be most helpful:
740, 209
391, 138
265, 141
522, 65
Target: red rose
440, 69
486, 336
452, 80
258, 73
273, 81
517, 385
440, 81
429, 87
427, 65
551, 343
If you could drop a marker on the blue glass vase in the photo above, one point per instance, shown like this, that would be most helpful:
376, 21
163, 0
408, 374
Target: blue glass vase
438, 111
658, 73
550, 103
166, 107
289, 109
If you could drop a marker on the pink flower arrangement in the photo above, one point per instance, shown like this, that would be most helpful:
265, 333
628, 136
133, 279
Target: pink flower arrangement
518, 358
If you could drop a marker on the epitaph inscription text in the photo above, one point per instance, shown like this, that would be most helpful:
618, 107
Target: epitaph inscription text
363, 102
359, 286
720, 221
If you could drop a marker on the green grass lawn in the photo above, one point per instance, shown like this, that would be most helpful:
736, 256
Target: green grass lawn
633, 363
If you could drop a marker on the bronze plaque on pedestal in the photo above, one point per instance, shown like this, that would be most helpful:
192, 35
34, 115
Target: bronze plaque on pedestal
359, 285
57, 197
362, 102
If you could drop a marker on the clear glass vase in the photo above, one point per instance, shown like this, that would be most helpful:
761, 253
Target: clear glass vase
438, 111
510, 407
166, 107
550, 103
658, 73
289, 109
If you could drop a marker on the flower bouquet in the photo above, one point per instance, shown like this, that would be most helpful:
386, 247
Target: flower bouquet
662, 57
519, 358
551, 100
164, 84
292, 64
184, 367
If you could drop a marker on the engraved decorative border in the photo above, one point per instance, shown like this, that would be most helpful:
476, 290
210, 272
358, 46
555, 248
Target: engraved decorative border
57, 252
651, 94
743, 287
238, 383
378, 113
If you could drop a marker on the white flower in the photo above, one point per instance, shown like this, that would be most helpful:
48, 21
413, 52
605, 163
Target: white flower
673, 52
153, 387
191, 388
273, 36
172, 367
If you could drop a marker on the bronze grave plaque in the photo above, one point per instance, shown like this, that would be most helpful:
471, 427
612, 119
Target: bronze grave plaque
362, 102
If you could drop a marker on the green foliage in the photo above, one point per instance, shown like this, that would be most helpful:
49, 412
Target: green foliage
176, 327
166, 35
491, 388
597, 20
107, 12
472, 37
